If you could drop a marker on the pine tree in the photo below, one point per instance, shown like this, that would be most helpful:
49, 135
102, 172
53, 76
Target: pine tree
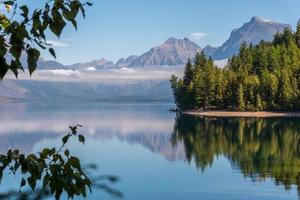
199, 92
188, 73
297, 34
241, 103
258, 105
174, 86
200, 61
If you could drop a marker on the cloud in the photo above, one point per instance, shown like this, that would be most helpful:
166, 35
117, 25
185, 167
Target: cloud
63, 72
109, 76
91, 69
198, 35
57, 43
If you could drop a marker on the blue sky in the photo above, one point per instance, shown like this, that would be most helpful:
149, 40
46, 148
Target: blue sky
119, 28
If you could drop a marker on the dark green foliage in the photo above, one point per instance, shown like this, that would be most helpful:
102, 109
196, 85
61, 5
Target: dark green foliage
21, 30
53, 172
298, 34
57, 171
241, 101
261, 77
259, 148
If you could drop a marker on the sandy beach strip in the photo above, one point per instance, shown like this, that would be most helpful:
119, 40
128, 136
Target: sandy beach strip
259, 114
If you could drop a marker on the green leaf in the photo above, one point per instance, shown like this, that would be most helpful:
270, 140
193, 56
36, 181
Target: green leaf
65, 139
21, 158
67, 152
75, 5
75, 162
11, 2
14, 66
15, 154
73, 129
46, 180
74, 22
44, 154
31, 182
81, 138
16, 50
25, 11
23, 182
3, 67
32, 59
57, 23
52, 52
3, 46
36, 20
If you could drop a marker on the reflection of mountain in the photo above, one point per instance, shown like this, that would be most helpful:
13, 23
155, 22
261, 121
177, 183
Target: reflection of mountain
157, 143
260, 148
146, 125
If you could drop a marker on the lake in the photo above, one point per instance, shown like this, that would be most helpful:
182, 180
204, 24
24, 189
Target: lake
161, 155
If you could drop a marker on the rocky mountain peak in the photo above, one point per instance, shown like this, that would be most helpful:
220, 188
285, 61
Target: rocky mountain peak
171, 40
260, 20
172, 52
254, 31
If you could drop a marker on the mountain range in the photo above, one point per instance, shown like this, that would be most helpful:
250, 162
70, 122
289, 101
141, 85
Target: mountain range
177, 51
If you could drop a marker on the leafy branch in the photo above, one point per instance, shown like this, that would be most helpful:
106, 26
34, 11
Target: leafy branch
56, 169
25, 30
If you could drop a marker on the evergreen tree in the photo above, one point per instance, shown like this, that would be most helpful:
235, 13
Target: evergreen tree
258, 105
297, 34
200, 61
241, 103
188, 73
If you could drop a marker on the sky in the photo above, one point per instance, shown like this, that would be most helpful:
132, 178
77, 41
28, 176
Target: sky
118, 28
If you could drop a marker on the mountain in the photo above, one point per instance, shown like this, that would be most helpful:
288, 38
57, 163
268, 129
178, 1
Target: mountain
124, 62
254, 31
50, 65
42, 63
92, 65
209, 50
172, 52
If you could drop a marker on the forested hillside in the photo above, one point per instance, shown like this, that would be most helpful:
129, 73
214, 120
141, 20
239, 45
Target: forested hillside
260, 77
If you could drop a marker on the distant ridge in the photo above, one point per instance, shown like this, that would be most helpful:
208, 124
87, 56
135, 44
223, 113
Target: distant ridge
124, 62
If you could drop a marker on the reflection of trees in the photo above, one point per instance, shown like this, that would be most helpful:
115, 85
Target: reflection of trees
260, 147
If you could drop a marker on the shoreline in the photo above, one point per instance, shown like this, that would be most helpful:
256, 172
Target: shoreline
259, 114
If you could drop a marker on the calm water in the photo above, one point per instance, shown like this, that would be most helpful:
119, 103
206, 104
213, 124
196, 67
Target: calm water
158, 155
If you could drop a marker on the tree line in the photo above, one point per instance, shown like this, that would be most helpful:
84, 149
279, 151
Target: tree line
260, 77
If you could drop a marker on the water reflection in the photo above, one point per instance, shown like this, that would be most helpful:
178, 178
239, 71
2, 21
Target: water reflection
259, 148
149, 149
